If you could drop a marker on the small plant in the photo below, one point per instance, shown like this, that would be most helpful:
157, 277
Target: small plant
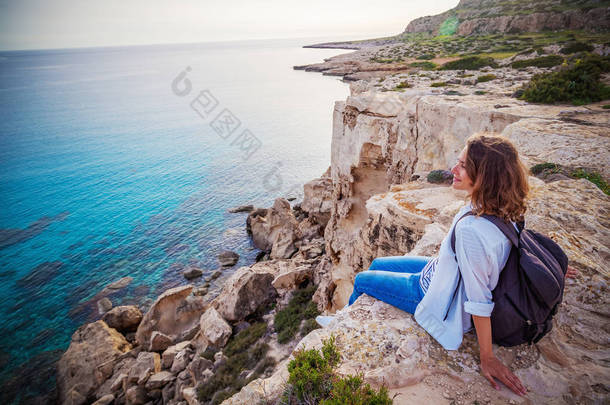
543, 61
438, 84
574, 47
479, 92
244, 352
606, 106
440, 176
312, 380
403, 85
578, 83
299, 308
594, 178
546, 167
470, 63
423, 65
426, 56
486, 78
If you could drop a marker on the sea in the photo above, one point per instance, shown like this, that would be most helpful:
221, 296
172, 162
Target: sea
123, 162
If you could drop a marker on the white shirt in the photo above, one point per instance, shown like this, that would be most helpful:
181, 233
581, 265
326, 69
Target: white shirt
481, 251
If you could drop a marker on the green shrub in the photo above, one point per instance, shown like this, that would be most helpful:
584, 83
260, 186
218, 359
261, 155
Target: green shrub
470, 63
312, 380
486, 78
243, 352
479, 92
544, 167
350, 391
606, 106
423, 65
594, 178
574, 47
579, 83
543, 61
245, 339
439, 176
438, 84
299, 308
403, 85
426, 56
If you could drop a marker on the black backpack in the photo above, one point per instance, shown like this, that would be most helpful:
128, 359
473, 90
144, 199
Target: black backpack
530, 286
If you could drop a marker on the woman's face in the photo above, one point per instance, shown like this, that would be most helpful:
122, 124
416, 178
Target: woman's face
461, 181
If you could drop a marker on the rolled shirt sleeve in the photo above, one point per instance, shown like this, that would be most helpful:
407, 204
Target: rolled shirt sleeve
478, 259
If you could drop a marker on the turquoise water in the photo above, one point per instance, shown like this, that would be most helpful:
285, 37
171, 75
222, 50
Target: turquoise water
106, 172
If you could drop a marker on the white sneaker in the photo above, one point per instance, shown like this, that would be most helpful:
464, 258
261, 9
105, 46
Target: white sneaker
324, 321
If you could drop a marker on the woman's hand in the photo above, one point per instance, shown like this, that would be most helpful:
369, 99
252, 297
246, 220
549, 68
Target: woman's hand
492, 368
572, 272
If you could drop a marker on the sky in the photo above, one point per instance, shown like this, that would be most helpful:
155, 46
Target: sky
45, 24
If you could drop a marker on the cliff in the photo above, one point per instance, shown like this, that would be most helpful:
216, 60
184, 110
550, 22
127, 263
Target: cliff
373, 201
492, 16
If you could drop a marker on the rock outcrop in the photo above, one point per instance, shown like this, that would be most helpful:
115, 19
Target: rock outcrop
88, 362
175, 313
493, 16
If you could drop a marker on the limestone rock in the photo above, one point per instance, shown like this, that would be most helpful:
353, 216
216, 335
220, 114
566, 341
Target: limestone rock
136, 395
216, 330
105, 400
104, 305
169, 354
245, 291
228, 258
192, 272
174, 313
190, 395
181, 360
125, 318
198, 366
158, 380
92, 345
275, 229
317, 198
241, 208
159, 341
146, 364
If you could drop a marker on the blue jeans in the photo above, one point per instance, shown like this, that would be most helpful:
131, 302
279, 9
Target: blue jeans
392, 279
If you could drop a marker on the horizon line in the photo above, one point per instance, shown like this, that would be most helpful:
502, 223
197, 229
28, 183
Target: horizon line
183, 43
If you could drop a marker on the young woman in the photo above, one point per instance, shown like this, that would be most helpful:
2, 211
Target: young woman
489, 169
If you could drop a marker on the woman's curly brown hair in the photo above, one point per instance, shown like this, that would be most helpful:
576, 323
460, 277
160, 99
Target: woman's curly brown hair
498, 175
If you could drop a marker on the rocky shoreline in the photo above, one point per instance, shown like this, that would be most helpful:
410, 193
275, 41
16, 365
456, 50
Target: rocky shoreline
382, 195
374, 200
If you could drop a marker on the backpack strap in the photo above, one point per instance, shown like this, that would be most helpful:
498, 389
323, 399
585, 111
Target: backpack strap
505, 227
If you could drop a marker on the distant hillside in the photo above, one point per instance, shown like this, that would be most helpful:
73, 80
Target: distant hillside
515, 16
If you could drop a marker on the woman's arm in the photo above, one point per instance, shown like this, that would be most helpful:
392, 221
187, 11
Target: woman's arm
490, 365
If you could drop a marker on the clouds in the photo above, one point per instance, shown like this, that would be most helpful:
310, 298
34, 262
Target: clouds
31, 24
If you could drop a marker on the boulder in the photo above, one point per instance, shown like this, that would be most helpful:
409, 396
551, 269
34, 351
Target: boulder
317, 198
216, 330
105, 400
190, 395
167, 359
174, 314
146, 364
227, 258
245, 291
136, 395
198, 366
181, 360
104, 305
241, 208
125, 318
159, 341
158, 380
92, 345
192, 272
275, 229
